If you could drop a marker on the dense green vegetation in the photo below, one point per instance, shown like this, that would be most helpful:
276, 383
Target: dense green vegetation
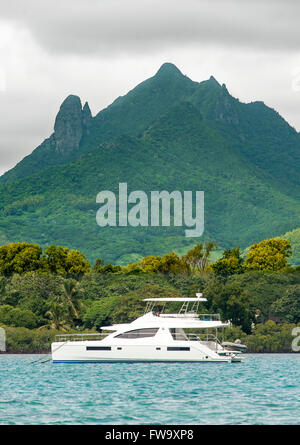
267, 337
294, 238
263, 305
168, 133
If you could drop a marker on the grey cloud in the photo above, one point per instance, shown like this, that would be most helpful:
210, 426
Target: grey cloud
21, 128
109, 27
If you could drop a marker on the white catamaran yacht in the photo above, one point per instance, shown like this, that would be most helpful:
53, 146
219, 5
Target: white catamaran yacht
185, 336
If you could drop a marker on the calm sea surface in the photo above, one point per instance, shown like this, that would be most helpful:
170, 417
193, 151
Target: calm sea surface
265, 389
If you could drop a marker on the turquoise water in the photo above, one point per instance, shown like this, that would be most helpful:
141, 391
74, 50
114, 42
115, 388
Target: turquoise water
265, 389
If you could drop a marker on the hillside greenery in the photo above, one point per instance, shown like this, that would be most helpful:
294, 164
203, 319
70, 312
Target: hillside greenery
294, 239
168, 133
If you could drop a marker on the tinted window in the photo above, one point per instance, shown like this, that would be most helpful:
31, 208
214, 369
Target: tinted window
98, 348
178, 348
139, 333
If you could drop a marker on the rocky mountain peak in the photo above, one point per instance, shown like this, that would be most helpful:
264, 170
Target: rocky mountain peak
213, 82
86, 110
168, 70
71, 123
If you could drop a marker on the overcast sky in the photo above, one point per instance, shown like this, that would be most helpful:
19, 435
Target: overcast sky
100, 49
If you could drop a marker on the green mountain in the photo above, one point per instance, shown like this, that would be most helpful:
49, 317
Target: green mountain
168, 133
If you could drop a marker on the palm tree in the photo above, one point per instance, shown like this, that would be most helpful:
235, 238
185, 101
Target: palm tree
56, 316
70, 295
198, 257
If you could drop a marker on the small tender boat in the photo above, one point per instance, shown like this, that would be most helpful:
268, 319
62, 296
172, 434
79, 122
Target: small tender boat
236, 346
156, 336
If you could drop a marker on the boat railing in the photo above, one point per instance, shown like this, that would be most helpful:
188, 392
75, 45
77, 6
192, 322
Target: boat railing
209, 317
196, 337
80, 336
209, 340
191, 314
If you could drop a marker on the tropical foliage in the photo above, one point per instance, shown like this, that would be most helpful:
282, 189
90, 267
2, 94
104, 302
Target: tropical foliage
270, 254
260, 304
24, 257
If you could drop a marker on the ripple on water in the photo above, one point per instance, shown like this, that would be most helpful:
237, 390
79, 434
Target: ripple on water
265, 389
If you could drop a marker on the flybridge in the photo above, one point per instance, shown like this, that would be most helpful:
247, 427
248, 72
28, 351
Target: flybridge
176, 299
184, 312
160, 209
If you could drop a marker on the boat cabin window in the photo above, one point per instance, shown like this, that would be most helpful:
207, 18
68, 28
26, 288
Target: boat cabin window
178, 334
178, 348
138, 333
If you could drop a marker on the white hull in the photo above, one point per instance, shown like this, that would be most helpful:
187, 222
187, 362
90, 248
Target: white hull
77, 352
